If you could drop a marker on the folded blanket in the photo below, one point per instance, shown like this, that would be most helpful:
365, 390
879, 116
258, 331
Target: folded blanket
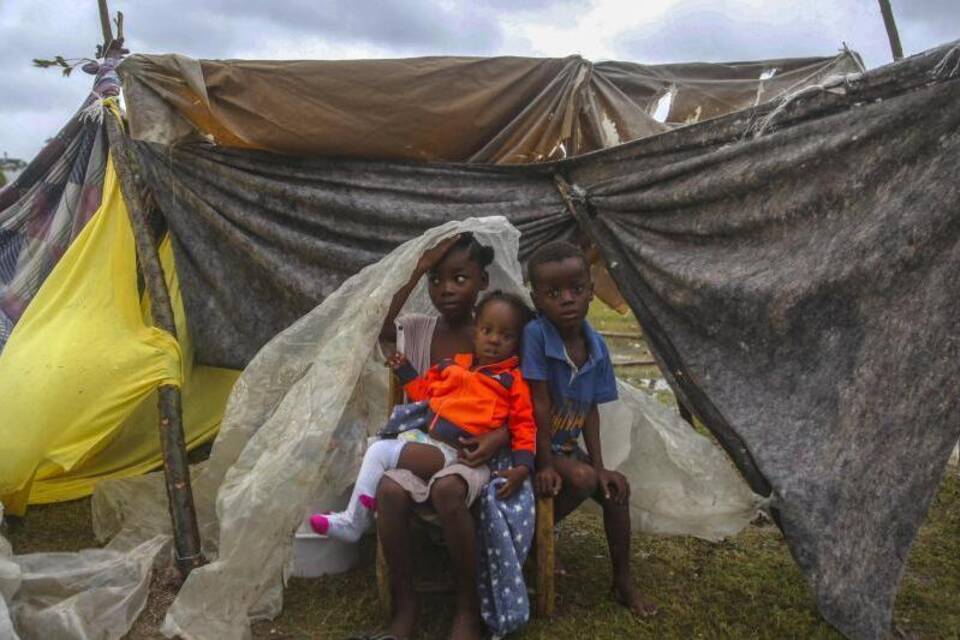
506, 531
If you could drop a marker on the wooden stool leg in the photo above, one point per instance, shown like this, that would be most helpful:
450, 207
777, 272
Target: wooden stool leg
383, 579
545, 575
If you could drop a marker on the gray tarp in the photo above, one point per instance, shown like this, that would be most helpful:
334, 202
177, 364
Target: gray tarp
293, 230
802, 289
796, 268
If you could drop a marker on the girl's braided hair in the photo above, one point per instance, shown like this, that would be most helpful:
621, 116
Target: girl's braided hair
479, 253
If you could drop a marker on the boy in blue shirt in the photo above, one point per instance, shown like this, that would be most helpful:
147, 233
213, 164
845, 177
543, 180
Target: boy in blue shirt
569, 370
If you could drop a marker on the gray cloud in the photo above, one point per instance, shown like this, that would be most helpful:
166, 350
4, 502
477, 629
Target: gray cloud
723, 31
35, 103
923, 23
402, 26
694, 30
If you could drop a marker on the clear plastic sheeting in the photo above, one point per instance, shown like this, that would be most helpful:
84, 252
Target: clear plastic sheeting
296, 424
94, 594
10, 577
681, 483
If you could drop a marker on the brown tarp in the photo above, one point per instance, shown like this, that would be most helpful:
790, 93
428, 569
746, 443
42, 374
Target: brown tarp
505, 110
795, 268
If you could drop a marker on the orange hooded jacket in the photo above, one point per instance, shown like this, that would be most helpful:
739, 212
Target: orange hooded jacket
471, 402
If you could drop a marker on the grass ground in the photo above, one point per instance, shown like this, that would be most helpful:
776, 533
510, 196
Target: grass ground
746, 587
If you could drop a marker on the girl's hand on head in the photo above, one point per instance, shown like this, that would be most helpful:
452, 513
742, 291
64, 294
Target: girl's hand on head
431, 257
515, 477
396, 361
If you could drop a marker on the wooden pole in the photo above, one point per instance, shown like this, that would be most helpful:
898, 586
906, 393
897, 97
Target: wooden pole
891, 26
105, 25
545, 581
176, 470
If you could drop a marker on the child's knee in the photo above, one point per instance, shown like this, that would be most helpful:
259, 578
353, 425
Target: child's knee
581, 481
391, 496
385, 453
448, 495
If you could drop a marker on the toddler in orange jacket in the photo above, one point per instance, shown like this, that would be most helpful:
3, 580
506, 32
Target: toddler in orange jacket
467, 396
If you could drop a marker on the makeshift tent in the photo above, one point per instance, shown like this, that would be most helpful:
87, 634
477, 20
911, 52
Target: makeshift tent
773, 282
777, 258
491, 110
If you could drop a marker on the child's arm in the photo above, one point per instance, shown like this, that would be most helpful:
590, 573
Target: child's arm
429, 259
547, 482
523, 429
417, 388
613, 483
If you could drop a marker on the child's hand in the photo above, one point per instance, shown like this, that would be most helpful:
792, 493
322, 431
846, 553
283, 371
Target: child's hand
515, 477
429, 259
614, 486
477, 450
548, 482
396, 361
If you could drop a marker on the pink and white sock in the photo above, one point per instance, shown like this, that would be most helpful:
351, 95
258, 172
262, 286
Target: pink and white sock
348, 525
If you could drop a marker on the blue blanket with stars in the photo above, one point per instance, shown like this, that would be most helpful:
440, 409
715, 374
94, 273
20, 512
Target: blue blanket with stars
506, 532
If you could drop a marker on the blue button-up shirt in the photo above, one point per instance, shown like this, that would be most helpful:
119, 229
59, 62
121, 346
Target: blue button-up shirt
573, 392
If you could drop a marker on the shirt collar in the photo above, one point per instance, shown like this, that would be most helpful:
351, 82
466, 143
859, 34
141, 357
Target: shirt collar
553, 343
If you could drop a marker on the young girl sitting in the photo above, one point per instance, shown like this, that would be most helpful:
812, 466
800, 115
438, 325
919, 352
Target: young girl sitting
469, 395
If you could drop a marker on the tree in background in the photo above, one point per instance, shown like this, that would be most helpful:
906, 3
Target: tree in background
9, 164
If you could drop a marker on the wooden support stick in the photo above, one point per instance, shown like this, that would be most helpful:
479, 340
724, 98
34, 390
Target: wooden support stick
629, 362
105, 26
887, 11
621, 334
176, 470
545, 586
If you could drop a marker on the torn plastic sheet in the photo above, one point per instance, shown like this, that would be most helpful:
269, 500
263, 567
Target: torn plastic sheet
297, 422
93, 594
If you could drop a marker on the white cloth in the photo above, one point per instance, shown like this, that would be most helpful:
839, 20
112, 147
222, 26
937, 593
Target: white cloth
415, 338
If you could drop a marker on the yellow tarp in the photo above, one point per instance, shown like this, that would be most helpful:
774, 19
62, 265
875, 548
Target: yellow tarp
78, 376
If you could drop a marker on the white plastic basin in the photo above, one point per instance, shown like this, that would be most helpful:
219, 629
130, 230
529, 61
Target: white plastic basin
314, 556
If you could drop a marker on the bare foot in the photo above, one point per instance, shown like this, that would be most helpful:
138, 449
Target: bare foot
404, 619
466, 626
630, 597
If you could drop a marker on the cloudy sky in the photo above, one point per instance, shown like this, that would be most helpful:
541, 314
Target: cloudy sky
34, 103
